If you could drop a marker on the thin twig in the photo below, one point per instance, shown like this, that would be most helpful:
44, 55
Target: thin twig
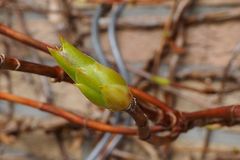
76, 119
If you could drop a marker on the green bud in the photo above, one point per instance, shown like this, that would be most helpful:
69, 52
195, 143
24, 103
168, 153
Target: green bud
160, 80
100, 84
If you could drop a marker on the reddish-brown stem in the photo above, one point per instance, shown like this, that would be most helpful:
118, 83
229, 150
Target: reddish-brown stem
151, 99
72, 117
24, 66
24, 38
141, 121
143, 128
221, 112
153, 114
226, 115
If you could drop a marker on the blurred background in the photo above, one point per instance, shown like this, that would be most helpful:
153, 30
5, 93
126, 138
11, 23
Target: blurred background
195, 43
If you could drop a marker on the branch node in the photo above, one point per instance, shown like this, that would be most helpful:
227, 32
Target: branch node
132, 105
40, 105
18, 63
60, 74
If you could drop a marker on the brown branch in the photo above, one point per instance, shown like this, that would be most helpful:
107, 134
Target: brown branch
226, 115
4, 30
76, 119
24, 66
